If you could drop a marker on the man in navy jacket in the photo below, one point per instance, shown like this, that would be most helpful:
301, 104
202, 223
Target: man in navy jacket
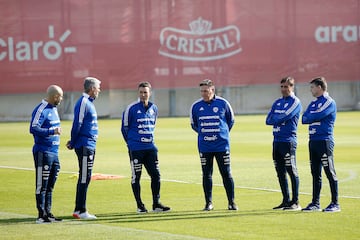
212, 118
137, 127
284, 117
45, 127
321, 115
84, 134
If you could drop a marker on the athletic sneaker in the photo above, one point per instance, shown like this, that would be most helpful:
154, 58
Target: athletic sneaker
85, 215
233, 206
160, 208
76, 214
293, 207
312, 207
42, 220
281, 206
333, 207
208, 206
53, 218
141, 209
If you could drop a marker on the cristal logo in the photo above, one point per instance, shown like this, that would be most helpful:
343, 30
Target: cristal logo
201, 43
31, 51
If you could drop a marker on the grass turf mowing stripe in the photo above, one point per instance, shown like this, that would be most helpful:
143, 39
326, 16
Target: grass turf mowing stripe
351, 173
99, 228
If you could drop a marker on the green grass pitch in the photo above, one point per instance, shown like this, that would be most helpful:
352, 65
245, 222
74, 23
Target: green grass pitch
257, 189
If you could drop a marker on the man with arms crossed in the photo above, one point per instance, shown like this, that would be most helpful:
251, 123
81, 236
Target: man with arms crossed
84, 134
212, 118
321, 115
45, 127
137, 127
284, 117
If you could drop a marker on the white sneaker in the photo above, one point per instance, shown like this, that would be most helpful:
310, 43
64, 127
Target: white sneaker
87, 216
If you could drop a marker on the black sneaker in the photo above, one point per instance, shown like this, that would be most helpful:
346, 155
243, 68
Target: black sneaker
312, 207
208, 206
281, 206
141, 209
52, 218
158, 207
43, 219
295, 206
233, 206
333, 207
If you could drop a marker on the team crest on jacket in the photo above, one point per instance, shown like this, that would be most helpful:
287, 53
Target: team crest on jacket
215, 109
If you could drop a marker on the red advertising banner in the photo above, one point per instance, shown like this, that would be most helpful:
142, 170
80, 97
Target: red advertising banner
174, 44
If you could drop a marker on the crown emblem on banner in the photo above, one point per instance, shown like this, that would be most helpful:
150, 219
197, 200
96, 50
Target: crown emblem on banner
200, 26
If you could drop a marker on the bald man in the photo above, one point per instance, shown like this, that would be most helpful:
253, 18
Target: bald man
45, 127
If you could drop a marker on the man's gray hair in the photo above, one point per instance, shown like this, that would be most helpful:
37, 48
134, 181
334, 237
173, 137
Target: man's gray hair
90, 82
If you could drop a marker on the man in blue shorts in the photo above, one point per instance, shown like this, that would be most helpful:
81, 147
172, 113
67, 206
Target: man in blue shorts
321, 115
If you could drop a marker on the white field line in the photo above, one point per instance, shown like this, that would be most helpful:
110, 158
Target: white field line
31, 169
352, 175
121, 230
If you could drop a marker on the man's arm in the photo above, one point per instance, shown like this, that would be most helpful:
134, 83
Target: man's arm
124, 126
193, 120
290, 112
37, 121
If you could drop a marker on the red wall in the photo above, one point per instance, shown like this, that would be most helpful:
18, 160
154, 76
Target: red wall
175, 43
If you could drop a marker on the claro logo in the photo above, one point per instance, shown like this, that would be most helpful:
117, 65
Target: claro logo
201, 43
32, 51
332, 34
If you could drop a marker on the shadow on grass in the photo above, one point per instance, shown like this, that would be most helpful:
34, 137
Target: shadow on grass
180, 215
25, 220
130, 217
8, 221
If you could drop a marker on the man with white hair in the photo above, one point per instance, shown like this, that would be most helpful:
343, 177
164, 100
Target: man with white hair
84, 134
